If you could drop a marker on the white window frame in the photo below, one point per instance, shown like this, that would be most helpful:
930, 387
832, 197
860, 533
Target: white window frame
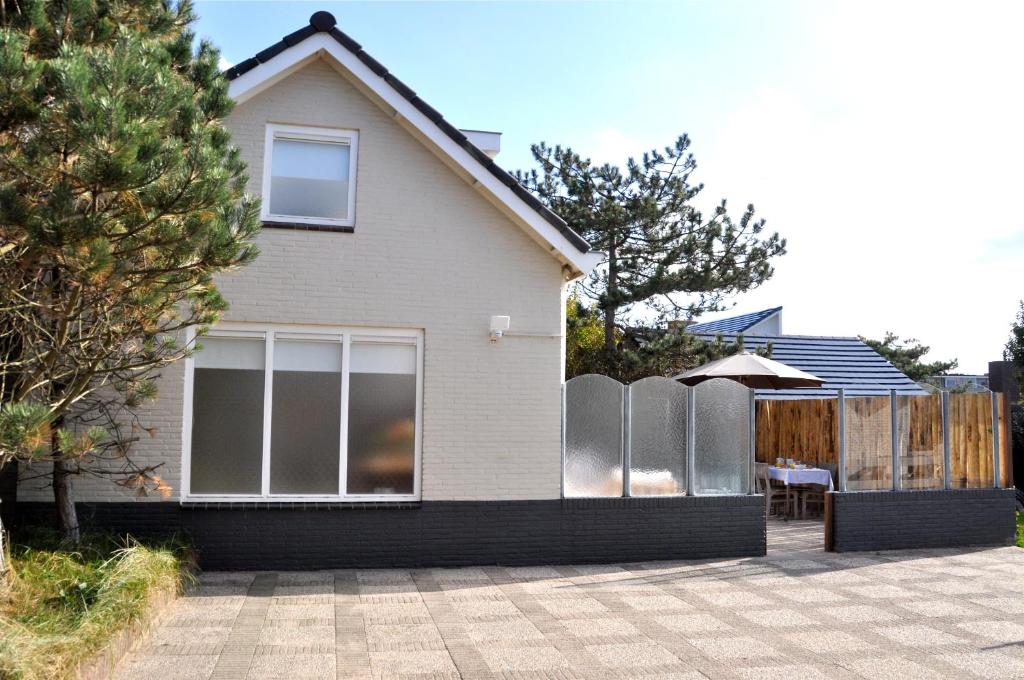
309, 134
345, 336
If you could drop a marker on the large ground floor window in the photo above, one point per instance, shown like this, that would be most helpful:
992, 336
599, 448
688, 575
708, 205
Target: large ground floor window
286, 413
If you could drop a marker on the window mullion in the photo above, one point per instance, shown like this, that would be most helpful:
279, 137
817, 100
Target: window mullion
346, 347
268, 404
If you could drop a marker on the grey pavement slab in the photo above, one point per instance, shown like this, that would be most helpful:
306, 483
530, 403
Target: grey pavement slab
798, 612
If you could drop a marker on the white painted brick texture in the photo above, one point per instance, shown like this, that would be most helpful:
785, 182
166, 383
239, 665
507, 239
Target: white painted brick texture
428, 252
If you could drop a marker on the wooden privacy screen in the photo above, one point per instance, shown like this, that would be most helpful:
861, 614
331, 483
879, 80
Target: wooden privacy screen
808, 430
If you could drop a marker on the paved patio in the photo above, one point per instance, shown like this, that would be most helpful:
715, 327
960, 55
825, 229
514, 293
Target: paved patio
797, 613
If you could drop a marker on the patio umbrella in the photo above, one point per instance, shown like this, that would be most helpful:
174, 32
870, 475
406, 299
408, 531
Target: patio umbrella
753, 371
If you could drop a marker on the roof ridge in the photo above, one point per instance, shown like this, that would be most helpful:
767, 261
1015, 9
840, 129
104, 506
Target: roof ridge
324, 22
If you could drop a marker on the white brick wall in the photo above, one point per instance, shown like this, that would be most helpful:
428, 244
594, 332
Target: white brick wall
428, 252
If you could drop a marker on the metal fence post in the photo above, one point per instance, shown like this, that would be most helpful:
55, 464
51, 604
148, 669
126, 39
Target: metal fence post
627, 417
894, 427
947, 458
691, 442
995, 440
751, 488
841, 415
563, 440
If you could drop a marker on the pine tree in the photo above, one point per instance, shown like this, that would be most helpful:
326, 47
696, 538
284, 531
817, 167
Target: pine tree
661, 252
120, 197
906, 355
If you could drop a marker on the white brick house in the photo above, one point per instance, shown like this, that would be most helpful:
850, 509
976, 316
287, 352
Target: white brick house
351, 409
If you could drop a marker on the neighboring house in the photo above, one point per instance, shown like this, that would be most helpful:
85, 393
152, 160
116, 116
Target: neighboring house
765, 322
959, 382
842, 362
355, 367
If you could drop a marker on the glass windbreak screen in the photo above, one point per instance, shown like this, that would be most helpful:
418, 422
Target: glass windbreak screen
227, 417
919, 430
657, 434
309, 179
593, 436
305, 427
722, 437
382, 419
868, 443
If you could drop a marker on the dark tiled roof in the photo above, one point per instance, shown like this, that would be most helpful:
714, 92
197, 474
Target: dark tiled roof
324, 22
733, 324
840, 362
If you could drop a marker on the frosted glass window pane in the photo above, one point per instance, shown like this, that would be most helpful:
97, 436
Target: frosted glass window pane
238, 353
919, 433
305, 440
868, 444
657, 431
227, 417
722, 437
593, 436
309, 179
970, 440
382, 419
380, 357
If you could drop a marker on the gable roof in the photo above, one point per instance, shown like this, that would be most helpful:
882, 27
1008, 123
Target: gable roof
322, 38
733, 324
841, 362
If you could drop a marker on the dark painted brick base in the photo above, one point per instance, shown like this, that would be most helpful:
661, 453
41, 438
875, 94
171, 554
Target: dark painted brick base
886, 520
443, 533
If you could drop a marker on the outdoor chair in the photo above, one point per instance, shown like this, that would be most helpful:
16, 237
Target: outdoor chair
775, 495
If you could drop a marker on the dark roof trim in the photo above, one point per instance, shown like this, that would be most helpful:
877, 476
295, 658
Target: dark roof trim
324, 22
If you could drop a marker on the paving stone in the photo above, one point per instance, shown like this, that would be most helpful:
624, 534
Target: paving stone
512, 629
633, 655
501, 659
828, 641
734, 648
286, 667
777, 618
987, 664
893, 668
1008, 632
938, 608
916, 635
859, 613
596, 628
656, 603
390, 664
692, 623
136, 666
782, 672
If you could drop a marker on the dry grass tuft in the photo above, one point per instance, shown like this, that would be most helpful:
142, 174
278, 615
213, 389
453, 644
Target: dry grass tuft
60, 606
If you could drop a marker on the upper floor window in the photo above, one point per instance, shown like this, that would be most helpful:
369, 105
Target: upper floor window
309, 176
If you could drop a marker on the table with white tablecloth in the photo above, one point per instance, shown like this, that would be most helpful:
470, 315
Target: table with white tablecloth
801, 476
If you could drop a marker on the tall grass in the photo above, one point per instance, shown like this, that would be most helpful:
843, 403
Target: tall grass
58, 607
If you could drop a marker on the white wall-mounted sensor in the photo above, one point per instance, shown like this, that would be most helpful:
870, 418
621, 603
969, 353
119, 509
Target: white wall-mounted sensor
499, 324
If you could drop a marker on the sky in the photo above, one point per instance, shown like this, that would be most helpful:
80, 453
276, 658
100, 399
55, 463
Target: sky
883, 140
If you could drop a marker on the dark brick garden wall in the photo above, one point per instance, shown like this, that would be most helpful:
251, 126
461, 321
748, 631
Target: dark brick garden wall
887, 520
442, 533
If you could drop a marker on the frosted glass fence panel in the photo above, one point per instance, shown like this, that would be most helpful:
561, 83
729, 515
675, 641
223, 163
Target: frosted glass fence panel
919, 435
593, 436
868, 444
722, 456
970, 440
657, 436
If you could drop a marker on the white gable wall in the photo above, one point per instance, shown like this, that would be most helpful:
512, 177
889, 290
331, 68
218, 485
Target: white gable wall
428, 252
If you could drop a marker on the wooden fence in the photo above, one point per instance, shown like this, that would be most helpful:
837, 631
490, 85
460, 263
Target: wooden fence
808, 430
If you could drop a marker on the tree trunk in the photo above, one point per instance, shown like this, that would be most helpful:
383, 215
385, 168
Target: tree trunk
63, 497
610, 309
